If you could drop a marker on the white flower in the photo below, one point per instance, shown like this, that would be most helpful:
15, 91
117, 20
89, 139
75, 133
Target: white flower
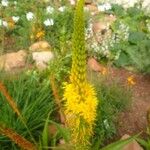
5, 24
72, 2
49, 22
15, 2
62, 8
106, 124
29, 16
4, 3
49, 9
101, 8
104, 7
108, 6
15, 18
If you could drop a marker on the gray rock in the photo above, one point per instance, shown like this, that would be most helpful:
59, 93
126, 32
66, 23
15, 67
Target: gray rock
42, 58
40, 46
12, 61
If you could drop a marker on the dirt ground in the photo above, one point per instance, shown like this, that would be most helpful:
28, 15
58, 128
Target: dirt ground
134, 120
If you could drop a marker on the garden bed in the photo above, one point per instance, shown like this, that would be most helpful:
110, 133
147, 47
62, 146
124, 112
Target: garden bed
74, 75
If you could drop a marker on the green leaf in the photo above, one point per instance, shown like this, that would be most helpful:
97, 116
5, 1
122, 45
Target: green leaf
123, 60
119, 144
135, 13
45, 133
136, 37
118, 10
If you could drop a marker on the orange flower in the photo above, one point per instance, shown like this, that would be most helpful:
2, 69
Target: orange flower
40, 34
104, 71
11, 23
131, 80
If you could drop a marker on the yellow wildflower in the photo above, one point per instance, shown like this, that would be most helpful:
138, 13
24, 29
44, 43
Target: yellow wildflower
131, 80
40, 34
11, 24
104, 71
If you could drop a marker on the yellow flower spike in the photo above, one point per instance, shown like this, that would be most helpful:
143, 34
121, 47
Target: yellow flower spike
86, 110
79, 96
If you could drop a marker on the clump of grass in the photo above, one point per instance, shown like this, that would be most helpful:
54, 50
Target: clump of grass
33, 96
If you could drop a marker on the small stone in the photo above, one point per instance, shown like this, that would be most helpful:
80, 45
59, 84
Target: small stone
103, 24
132, 145
99, 27
62, 141
42, 58
12, 61
94, 65
40, 46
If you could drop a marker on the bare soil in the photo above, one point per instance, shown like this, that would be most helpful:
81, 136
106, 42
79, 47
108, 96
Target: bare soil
134, 120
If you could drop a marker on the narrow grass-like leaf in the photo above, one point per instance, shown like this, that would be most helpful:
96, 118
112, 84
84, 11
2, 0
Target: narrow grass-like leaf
119, 144
13, 105
45, 133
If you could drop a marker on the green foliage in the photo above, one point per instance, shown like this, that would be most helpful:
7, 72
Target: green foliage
136, 50
34, 98
139, 55
118, 10
62, 29
125, 44
45, 133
